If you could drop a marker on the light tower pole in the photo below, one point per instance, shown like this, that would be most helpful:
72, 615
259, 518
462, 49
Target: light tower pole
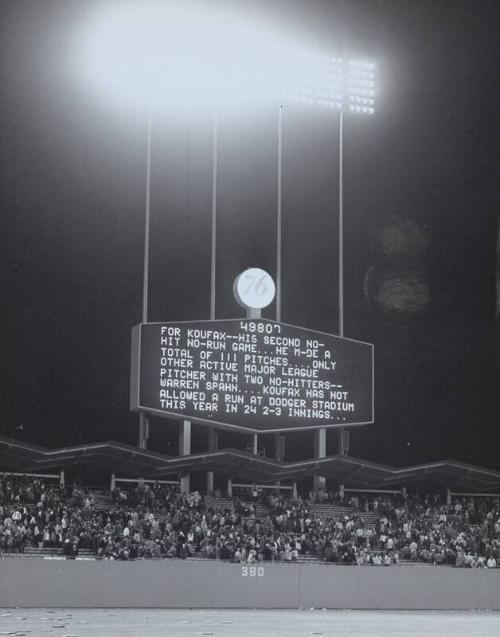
143, 419
211, 432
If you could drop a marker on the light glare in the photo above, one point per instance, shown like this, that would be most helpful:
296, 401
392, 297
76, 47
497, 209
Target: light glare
171, 55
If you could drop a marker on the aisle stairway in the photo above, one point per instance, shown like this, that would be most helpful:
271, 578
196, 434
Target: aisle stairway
104, 501
215, 503
50, 552
262, 511
308, 559
335, 511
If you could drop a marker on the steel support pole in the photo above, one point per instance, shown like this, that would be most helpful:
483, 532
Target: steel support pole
185, 450
212, 440
279, 215
255, 444
341, 247
320, 435
215, 152
278, 455
341, 224
143, 420
212, 435
342, 492
254, 313
279, 205
319, 452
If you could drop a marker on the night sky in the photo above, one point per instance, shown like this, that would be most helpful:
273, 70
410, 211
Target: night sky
421, 181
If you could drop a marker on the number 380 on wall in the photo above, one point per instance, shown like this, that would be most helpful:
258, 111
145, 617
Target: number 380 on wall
252, 571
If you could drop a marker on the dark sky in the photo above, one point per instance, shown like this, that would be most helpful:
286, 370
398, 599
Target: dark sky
420, 225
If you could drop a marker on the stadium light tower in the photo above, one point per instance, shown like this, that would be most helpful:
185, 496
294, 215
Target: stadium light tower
190, 58
347, 86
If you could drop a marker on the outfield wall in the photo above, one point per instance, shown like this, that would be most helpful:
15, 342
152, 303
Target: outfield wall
37, 582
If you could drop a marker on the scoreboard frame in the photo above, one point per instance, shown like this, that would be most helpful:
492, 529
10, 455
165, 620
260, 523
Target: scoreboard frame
135, 380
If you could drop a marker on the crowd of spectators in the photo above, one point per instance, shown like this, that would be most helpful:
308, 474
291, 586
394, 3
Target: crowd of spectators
157, 521
36, 513
464, 532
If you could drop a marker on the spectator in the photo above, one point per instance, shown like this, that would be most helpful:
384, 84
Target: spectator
157, 521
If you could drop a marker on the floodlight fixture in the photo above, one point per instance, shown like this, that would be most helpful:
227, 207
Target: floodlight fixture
330, 82
178, 56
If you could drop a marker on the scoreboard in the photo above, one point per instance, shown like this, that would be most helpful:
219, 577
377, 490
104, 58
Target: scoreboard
254, 375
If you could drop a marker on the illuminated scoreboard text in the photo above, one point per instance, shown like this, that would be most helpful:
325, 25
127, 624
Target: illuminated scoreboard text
251, 374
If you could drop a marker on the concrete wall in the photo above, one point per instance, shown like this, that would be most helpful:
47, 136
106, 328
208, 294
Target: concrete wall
34, 582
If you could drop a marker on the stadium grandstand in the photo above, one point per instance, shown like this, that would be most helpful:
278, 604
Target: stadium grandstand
439, 513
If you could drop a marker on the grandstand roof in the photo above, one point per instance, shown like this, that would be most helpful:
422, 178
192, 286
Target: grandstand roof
127, 461
115, 456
